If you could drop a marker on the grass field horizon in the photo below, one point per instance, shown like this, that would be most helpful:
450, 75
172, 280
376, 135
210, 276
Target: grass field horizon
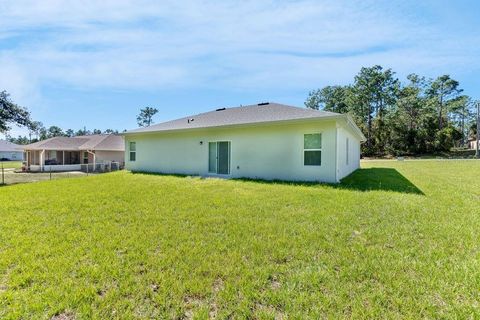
395, 239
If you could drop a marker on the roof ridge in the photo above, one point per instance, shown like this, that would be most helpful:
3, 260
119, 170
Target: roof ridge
92, 142
96, 142
238, 115
237, 107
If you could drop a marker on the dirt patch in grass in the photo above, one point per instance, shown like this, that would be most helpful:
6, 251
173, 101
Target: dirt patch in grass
67, 315
12, 177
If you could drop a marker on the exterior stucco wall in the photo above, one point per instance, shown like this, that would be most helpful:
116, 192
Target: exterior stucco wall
11, 155
344, 167
265, 152
117, 156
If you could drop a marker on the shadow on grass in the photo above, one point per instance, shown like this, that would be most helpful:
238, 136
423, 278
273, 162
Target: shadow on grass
386, 179
369, 179
151, 173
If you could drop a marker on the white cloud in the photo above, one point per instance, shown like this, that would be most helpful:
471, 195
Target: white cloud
239, 44
15, 79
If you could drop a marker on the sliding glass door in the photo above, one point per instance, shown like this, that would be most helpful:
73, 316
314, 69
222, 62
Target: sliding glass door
212, 157
223, 157
219, 157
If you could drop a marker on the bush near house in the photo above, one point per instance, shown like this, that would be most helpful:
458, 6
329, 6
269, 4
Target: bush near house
394, 240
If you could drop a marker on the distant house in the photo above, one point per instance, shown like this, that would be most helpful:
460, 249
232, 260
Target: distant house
10, 151
472, 144
74, 153
264, 141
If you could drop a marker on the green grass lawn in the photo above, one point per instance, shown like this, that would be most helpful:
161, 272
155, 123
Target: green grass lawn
11, 164
394, 240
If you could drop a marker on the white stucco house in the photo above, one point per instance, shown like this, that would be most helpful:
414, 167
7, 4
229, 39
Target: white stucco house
10, 151
267, 141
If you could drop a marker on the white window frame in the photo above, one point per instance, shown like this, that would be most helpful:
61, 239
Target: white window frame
130, 151
303, 152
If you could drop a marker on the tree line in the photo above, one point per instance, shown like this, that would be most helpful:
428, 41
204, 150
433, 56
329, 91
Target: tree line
37, 132
11, 113
417, 116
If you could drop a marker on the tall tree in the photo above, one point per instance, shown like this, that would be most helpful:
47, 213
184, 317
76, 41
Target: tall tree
462, 109
34, 129
83, 132
43, 133
11, 113
21, 140
418, 117
411, 102
55, 131
410, 121
70, 133
375, 90
330, 98
441, 92
145, 118
37, 128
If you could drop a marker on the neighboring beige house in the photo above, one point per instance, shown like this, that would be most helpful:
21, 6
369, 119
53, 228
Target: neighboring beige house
10, 151
265, 141
75, 153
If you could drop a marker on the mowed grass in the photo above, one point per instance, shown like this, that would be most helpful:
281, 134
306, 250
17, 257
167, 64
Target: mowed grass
395, 240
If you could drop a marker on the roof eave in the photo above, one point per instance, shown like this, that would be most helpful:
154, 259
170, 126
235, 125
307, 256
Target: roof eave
238, 125
117, 150
50, 149
354, 126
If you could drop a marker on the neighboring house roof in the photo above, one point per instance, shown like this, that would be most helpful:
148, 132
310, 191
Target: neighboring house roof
105, 142
6, 146
251, 114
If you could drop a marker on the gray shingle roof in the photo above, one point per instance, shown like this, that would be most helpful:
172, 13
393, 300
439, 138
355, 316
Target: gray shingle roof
106, 142
258, 113
6, 146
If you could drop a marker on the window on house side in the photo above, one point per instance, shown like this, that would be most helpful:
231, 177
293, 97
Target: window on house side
312, 149
133, 151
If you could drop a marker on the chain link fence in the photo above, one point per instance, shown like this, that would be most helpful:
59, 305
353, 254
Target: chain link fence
12, 173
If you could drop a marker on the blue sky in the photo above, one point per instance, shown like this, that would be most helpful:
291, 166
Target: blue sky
96, 63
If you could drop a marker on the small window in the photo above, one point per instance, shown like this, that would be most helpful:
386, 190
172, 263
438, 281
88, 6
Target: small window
85, 157
312, 149
133, 151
